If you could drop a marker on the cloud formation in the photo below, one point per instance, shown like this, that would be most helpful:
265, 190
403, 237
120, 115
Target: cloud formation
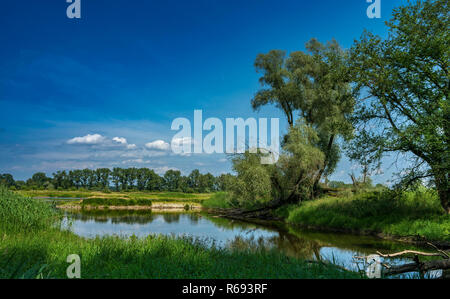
158, 145
88, 139
97, 139
123, 141
120, 140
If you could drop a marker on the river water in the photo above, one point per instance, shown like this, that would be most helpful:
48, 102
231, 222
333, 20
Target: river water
340, 249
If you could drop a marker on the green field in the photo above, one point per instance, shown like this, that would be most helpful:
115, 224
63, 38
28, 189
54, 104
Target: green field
155, 196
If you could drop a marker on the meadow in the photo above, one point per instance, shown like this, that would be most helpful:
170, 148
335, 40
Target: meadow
136, 195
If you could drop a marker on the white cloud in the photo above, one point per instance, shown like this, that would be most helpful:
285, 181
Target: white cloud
123, 141
120, 140
88, 139
159, 145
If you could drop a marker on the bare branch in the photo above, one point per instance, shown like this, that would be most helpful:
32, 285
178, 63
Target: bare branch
445, 254
408, 252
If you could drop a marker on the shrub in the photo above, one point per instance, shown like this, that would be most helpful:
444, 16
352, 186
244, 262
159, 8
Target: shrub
218, 200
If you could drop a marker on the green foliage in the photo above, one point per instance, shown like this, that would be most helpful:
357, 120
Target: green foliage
225, 182
18, 213
253, 186
405, 81
220, 200
413, 213
123, 180
7, 180
172, 180
314, 85
290, 180
299, 164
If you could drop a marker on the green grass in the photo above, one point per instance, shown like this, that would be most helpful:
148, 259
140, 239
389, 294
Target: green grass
136, 195
44, 255
18, 213
218, 200
115, 202
416, 213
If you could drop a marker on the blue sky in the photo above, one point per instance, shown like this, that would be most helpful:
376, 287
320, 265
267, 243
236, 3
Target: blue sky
128, 68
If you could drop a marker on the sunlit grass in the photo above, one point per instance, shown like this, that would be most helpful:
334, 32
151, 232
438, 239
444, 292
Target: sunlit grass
416, 213
160, 196
218, 200
131, 198
19, 213
44, 255
116, 202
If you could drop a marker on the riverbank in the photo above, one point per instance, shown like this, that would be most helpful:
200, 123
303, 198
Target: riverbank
129, 195
157, 206
414, 217
43, 254
97, 200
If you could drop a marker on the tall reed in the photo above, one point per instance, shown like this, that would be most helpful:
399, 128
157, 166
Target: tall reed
24, 214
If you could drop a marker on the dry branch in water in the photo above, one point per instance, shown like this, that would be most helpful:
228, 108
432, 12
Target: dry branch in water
422, 267
408, 252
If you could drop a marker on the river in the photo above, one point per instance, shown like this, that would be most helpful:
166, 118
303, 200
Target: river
340, 249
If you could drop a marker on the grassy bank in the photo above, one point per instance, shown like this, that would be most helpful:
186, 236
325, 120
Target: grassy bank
44, 255
32, 246
217, 200
115, 202
132, 195
122, 200
415, 214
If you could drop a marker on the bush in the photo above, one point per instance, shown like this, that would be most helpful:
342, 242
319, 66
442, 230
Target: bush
189, 190
345, 193
219, 200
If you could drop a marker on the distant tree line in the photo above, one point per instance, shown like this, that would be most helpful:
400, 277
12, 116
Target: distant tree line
122, 179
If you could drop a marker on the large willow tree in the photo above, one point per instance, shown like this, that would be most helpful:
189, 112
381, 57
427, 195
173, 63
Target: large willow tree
312, 86
405, 85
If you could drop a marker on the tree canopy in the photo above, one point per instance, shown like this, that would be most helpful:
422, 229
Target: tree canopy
312, 86
123, 179
404, 85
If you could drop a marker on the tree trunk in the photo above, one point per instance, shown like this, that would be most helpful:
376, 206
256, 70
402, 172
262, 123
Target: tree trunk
443, 189
325, 164
443, 196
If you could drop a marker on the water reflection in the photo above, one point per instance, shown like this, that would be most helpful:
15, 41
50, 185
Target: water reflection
337, 248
